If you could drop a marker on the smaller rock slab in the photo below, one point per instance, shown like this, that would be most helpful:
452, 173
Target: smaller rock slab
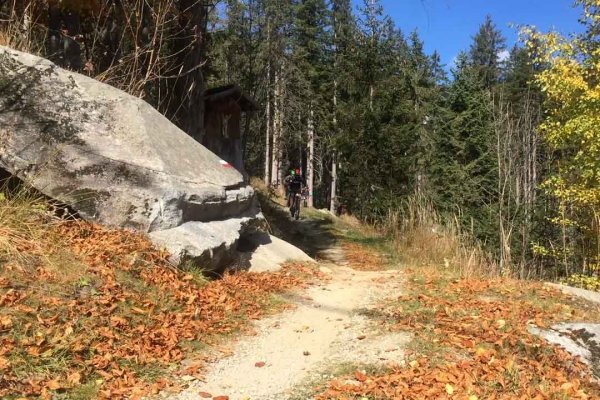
579, 339
588, 295
270, 253
206, 244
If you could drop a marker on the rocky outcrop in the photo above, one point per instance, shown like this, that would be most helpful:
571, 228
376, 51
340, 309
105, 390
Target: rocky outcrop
269, 253
114, 159
580, 339
219, 238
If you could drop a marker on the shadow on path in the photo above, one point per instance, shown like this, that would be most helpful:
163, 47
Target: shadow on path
313, 235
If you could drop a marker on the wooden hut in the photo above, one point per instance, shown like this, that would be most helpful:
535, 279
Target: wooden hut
222, 122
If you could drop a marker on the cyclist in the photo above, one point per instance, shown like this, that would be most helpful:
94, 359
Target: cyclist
295, 186
286, 184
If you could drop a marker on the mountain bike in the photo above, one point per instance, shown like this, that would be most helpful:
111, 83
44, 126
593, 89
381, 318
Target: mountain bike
295, 207
305, 197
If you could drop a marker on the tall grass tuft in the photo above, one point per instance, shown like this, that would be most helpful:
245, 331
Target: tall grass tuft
24, 223
25, 33
423, 237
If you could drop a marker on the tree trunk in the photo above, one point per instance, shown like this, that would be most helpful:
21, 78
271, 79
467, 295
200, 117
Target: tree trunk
373, 43
72, 48
187, 100
334, 179
310, 168
54, 35
277, 132
268, 159
333, 198
22, 10
110, 37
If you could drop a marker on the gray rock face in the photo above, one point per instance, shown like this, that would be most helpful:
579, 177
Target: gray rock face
588, 295
579, 339
115, 159
271, 253
218, 238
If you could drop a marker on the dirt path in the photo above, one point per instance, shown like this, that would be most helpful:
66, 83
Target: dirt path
326, 328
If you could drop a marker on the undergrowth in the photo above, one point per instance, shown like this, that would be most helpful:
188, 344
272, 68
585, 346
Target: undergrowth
413, 235
589, 282
364, 246
423, 238
24, 222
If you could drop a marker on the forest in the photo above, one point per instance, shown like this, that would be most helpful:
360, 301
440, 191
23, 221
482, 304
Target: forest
504, 151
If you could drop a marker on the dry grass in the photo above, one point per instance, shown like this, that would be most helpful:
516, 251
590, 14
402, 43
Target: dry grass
28, 36
269, 192
5, 39
24, 225
423, 238
9, 38
363, 227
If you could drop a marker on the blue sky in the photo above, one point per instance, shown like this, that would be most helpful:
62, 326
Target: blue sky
448, 25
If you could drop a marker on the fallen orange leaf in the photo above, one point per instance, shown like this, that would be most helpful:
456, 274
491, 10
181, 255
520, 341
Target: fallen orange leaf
53, 384
74, 378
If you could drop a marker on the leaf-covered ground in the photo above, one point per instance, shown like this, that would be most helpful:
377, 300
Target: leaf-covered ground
363, 258
471, 342
90, 312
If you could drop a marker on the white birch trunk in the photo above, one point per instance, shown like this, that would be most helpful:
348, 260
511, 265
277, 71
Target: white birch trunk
277, 127
268, 130
334, 167
310, 168
334, 178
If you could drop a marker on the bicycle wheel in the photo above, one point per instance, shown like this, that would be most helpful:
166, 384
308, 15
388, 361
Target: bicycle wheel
297, 209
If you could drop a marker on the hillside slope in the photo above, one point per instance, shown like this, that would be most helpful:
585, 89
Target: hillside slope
87, 311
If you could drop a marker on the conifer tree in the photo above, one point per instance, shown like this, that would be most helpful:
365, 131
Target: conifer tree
312, 58
342, 42
465, 171
487, 46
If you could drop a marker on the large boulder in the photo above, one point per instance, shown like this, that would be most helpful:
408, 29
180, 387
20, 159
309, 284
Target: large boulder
114, 159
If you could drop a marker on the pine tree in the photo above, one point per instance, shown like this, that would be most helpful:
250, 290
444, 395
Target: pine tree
423, 93
485, 50
464, 171
343, 34
312, 59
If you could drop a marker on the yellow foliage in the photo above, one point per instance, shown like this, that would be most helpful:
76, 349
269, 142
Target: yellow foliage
572, 124
584, 281
570, 82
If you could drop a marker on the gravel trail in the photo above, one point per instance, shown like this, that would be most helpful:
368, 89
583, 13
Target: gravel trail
327, 327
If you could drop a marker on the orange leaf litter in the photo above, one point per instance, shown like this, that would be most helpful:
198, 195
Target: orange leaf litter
362, 258
110, 334
488, 351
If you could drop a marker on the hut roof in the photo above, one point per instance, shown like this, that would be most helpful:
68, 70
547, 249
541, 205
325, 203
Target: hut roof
219, 97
